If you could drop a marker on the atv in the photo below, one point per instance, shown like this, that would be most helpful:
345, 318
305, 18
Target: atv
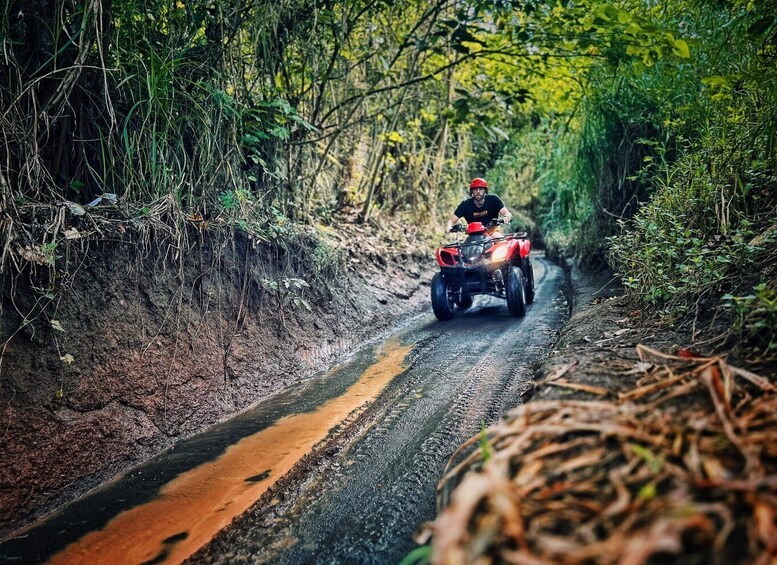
484, 263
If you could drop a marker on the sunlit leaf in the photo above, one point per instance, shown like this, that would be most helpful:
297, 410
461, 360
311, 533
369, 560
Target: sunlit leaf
681, 49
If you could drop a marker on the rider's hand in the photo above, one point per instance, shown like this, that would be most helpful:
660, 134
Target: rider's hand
457, 228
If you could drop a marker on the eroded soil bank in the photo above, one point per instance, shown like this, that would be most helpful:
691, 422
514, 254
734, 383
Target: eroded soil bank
138, 353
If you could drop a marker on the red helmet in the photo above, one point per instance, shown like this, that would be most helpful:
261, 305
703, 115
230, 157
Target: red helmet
478, 183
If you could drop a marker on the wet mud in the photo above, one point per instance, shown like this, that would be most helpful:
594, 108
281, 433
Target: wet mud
144, 355
187, 501
363, 498
340, 468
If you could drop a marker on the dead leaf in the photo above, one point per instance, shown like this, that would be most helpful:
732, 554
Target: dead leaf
640, 367
528, 472
582, 460
559, 372
714, 469
759, 381
75, 209
765, 522
642, 391
664, 536
583, 481
56, 325
33, 254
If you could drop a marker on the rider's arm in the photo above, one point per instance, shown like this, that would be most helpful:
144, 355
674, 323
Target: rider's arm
505, 214
452, 220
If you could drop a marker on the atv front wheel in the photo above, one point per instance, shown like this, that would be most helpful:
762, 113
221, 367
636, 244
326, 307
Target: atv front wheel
516, 292
441, 298
528, 277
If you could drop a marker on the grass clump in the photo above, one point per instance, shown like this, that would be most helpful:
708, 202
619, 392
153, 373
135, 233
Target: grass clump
755, 320
703, 245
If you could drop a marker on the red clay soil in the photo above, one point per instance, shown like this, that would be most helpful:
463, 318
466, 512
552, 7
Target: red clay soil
133, 356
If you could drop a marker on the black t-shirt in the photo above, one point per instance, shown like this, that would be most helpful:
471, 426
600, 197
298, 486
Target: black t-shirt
489, 210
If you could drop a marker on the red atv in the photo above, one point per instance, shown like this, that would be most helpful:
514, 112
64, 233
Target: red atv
483, 264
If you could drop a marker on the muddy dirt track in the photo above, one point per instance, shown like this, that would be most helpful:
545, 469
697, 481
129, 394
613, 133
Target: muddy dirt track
373, 484
344, 465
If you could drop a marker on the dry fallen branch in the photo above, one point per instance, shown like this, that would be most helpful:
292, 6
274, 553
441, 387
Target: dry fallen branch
684, 466
581, 387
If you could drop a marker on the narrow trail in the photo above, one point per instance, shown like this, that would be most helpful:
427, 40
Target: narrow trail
362, 502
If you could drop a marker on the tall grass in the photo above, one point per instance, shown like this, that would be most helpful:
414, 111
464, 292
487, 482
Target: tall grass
705, 242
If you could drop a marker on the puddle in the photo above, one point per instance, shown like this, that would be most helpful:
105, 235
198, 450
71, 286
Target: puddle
193, 507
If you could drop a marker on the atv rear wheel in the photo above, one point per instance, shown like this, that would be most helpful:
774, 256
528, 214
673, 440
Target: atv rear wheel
528, 277
465, 302
442, 304
516, 292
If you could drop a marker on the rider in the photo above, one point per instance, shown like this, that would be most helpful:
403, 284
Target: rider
480, 207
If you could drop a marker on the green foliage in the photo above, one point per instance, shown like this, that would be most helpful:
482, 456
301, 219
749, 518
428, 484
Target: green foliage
678, 253
419, 556
304, 253
235, 109
288, 291
266, 118
234, 199
755, 316
654, 462
707, 232
326, 259
700, 238
49, 251
661, 156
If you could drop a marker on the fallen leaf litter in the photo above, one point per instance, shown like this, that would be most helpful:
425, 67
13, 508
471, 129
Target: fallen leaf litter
683, 466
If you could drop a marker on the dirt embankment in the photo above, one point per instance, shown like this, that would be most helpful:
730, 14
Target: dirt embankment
133, 356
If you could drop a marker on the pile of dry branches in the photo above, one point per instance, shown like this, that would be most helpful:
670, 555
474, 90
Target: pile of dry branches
682, 466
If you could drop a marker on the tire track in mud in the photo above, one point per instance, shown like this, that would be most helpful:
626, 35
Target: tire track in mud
362, 502
376, 520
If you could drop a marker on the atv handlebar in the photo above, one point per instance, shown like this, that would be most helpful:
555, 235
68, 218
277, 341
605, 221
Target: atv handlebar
456, 228
515, 235
495, 222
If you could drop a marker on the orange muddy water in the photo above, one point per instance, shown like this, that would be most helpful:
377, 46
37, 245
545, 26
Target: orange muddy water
194, 506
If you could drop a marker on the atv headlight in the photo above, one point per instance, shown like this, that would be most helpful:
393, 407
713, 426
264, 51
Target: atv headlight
499, 254
472, 252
